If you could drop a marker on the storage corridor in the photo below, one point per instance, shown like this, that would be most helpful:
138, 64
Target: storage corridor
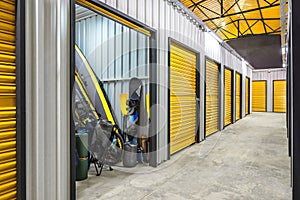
248, 160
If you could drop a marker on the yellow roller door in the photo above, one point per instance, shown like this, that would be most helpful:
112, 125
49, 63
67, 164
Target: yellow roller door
212, 97
238, 97
247, 95
279, 96
259, 91
7, 100
182, 98
228, 97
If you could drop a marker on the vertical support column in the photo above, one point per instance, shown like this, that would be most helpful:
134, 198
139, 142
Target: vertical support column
295, 98
20, 100
48, 92
234, 96
221, 97
153, 101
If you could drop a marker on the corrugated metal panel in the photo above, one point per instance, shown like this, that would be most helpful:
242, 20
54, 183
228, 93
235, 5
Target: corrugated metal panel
279, 96
7, 101
113, 16
238, 97
116, 54
231, 61
212, 48
228, 97
259, 95
212, 97
182, 98
48, 100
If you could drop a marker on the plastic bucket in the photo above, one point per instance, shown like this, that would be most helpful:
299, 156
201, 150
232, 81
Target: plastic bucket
130, 154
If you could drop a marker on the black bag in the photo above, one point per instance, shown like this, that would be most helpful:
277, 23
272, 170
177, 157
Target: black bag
104, 146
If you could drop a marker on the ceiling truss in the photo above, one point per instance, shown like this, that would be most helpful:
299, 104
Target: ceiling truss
238, 18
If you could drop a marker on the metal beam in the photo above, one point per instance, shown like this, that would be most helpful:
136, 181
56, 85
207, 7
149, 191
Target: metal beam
222, 3
238, 13
261, 15
245, 19
267, 2
230, 7
212, 21
210, 10
232, 21
196, 4
251, 26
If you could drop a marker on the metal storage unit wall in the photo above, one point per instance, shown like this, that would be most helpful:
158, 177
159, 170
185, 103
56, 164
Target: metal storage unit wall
228, 90
270, 75
247, 99
115, 52
238, 96
7, 100
259, 96
212, 97
48, 113
183, 105
279, 96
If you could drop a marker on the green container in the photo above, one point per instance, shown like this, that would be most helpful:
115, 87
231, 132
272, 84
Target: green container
82, 169
82, 141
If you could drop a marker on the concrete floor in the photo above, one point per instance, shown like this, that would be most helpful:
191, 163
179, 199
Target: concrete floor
247, 160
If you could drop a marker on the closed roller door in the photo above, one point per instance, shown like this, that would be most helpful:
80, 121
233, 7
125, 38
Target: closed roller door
279, 96
7, 101
238, 97
228, 97
247, 95
182, 98
259, 96
212, 97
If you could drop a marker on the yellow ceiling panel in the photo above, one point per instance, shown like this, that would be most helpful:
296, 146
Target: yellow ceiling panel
237, 18
244, 27
271, 12
258, 28
253, 15
188, 3
274, 25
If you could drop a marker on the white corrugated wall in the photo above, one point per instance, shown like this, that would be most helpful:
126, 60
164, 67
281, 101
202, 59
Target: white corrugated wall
48, 99
116, 54
269, 75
